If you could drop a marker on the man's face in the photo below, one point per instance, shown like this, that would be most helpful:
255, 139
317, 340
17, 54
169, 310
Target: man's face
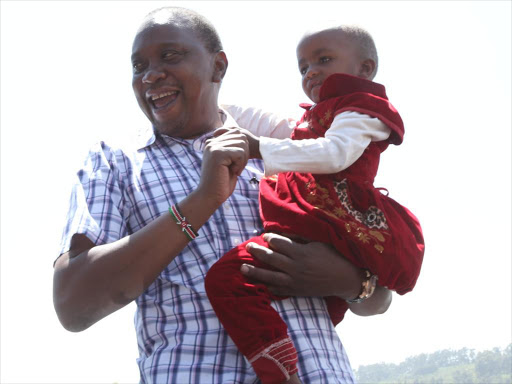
322, 54
173, 79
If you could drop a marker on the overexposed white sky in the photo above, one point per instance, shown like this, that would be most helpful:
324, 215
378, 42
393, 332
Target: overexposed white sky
66, 83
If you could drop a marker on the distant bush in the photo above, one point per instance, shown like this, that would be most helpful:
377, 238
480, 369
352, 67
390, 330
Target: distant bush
464, 366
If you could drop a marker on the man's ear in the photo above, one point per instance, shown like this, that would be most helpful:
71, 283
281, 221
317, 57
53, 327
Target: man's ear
220, 66
367, 69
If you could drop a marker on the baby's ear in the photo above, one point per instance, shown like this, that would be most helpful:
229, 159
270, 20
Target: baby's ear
220, 66
367, 69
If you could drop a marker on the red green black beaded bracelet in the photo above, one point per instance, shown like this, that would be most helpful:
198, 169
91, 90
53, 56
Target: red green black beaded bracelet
182, 222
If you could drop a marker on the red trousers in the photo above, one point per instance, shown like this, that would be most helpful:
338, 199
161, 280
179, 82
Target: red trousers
371, 230
243, 307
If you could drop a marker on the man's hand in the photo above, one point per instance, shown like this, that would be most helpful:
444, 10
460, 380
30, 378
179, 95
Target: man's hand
225, 157
312, 269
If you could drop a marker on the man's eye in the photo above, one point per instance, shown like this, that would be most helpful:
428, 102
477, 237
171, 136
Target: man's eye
170, 55
137, 67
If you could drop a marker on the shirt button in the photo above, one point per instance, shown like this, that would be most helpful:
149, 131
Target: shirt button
227, 206
236, 241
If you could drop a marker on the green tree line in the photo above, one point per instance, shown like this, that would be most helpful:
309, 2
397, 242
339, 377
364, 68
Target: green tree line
464, 366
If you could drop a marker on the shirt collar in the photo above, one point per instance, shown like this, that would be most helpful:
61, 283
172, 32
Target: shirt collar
147, 137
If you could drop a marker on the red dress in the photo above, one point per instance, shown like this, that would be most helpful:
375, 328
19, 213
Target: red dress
344, 209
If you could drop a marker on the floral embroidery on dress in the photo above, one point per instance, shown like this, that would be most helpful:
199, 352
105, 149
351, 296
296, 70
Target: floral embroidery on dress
326, 120
365, 236
363, 225
368, 227
372, 218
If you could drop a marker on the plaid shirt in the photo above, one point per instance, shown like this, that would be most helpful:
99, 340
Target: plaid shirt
180, 340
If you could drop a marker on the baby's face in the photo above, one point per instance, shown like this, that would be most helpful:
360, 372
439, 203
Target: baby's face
322, 54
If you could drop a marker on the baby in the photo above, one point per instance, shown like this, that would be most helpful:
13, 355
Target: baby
318, 185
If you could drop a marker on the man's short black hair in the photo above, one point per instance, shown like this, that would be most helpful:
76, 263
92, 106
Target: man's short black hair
183, 17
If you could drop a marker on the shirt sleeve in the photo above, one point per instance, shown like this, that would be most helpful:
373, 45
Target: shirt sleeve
261, 123
344, 142
96, 207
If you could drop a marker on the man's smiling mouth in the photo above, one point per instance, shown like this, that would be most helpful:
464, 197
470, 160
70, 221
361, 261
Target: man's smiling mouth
163, 99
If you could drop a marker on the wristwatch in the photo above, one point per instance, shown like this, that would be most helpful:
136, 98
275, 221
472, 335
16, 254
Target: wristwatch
368, 288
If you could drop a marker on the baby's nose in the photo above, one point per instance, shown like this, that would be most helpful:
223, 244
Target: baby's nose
312, 72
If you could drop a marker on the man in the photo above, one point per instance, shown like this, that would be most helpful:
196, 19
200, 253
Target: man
121, 243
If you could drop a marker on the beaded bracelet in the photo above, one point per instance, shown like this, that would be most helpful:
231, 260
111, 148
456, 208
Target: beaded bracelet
182, 222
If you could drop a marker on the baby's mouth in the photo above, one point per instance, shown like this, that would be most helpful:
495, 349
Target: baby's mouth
315, 85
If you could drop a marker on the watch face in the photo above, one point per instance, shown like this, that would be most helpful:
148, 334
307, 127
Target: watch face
368, 288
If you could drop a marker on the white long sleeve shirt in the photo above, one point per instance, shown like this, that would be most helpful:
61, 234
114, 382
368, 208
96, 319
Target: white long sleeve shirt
344, 142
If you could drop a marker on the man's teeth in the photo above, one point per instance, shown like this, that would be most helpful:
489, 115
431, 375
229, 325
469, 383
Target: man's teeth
156, 97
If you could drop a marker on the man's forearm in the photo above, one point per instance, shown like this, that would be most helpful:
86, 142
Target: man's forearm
313, 269
90, 282
350, 280
350, 285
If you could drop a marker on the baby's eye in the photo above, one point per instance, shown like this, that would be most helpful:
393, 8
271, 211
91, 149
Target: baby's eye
303, 70
325, 59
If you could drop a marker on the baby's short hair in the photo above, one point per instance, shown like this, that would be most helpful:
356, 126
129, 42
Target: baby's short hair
362, 38
183, 17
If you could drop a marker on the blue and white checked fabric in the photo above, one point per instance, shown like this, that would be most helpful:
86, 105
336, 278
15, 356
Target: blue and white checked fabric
180, 340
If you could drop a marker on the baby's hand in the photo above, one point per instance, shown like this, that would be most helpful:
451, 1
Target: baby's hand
253, 140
